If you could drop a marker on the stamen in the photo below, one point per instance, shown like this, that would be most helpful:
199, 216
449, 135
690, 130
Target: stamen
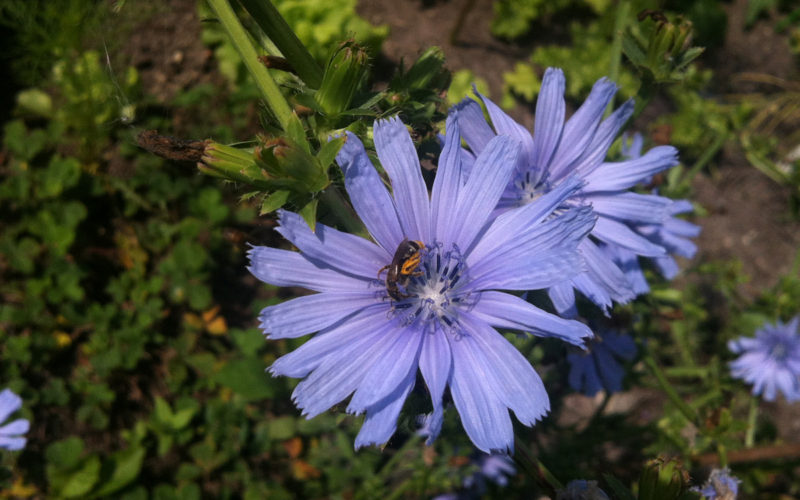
435, 295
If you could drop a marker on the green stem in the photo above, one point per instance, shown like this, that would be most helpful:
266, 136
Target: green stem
645, 94
752, 418
410, 443
616, 46
687, 411
599, 411
389, 466
535, 468
706, 156
796, 264
687, 372
680, 339
269, 89
275, 27
462, 16
722, 453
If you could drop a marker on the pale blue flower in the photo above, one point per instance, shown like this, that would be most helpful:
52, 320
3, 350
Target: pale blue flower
720, 485
559, 150
492, 467
673, 234
11, 433
770, 361
443, 320
599, 368
496, 468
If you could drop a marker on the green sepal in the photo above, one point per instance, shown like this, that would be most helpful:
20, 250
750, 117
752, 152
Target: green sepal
329, 150
427, 71
309, 213
632, 50
291, 166
274, 201
690, 55
663, 479
297, 133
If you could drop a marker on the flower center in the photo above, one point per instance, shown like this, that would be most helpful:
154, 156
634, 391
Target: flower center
525, 187
778, 351
530, 188
434, 294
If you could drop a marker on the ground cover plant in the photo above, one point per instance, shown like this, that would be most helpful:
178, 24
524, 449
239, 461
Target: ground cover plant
288, 250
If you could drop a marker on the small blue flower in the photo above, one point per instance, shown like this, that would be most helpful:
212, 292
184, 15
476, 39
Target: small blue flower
559, 150
10, 434
599, 368
374, 332
720, 485
495, 468
770, 361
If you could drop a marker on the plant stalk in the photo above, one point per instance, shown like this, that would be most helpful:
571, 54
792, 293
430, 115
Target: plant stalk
266, 84
752, 419
535, 468
685, 409
278, 31
620, 21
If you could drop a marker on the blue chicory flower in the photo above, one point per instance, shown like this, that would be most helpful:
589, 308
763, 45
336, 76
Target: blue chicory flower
720, 485
490, 467
598, 368
10, 433
770, 361
373, 333
493, 467
672, 234
559, 150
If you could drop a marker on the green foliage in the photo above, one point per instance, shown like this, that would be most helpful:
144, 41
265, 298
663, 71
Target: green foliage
659, 49
585, 61
698, 121
45, 32
90, 100
513, 19
322, 24
107, 287
461, 86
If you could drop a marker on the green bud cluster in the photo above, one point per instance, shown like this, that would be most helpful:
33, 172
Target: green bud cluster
664, 53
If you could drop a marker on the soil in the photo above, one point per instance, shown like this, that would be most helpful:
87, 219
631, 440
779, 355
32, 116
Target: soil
167, 51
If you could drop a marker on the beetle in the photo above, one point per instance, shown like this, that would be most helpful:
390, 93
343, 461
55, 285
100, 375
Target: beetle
404, 265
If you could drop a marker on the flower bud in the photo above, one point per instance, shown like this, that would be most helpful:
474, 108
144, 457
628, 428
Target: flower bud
233, 164
663, 479
346, 69
291, 166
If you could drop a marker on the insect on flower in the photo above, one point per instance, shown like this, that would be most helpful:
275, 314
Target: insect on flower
452, 279
404, 264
